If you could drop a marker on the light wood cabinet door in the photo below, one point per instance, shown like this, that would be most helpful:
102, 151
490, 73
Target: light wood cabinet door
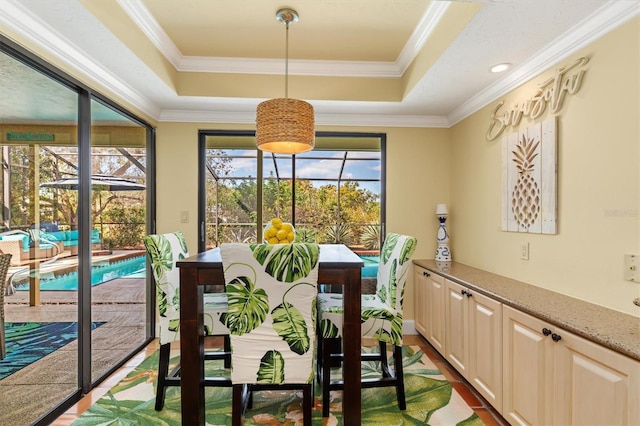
420, 306
527, 369
594, 385
429, 307
457, 327
436, 291
485, 347
554, 377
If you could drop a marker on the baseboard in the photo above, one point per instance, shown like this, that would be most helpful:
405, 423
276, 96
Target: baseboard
409, 327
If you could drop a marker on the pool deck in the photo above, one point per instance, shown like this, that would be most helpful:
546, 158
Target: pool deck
61, 266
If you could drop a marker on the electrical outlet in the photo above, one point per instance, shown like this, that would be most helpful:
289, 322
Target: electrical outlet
524, 251
632, 267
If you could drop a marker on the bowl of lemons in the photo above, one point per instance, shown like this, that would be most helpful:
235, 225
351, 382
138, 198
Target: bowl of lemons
279, 232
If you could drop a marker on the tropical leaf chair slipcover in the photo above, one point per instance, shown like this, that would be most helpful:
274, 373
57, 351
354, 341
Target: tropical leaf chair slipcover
272, 291
164, 250
381, 319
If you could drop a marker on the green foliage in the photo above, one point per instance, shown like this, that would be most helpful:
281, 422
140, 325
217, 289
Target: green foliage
290, 325
370, 237
271, 368
306, 235
232, 203
338, 234
289, 262
126, 227
248, 306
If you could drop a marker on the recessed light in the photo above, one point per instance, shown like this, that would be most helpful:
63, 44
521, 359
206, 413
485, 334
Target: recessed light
500, 67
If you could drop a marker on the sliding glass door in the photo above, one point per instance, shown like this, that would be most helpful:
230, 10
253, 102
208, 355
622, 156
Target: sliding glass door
117, 224
74, 209
38, 115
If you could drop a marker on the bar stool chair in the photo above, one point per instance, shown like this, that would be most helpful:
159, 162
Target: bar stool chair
381, 320
272, 292
164, 250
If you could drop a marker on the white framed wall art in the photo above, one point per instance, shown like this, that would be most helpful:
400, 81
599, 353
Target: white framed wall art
529, 179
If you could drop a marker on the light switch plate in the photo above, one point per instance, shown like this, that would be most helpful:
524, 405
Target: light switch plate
184, 216
631, 265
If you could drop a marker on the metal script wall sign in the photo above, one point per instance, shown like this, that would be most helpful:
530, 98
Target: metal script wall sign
529, 179
552, 92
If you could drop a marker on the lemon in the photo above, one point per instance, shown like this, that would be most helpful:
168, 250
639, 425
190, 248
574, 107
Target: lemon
271, 232
281, 235
290, 236
287, 227
277, 222
273, 240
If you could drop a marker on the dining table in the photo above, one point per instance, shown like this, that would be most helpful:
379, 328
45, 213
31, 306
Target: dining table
338, 265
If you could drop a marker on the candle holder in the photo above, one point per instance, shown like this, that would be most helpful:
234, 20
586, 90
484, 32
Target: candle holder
442, 251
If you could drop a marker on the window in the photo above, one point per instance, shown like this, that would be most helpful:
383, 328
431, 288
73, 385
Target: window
335, 190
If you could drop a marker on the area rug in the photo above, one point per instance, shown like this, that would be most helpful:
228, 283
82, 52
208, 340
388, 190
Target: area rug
27, 342
430, 400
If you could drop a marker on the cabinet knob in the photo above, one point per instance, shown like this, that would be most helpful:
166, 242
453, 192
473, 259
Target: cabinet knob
546, 331
469, 294
463, 292
556, 337
426, 274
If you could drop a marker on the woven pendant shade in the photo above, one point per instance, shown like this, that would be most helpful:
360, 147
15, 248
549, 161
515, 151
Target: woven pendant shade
285, 126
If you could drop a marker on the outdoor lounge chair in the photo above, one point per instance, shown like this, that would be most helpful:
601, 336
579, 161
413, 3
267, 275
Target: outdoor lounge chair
164, 251
5, 259
27, 247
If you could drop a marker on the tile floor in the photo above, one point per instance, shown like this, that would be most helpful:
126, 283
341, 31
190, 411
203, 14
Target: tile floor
488, 415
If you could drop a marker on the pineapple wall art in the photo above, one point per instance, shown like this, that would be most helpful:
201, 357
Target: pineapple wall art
529, 179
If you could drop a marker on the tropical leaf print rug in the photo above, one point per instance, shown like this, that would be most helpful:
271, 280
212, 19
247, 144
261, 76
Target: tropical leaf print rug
430, 400
27, 342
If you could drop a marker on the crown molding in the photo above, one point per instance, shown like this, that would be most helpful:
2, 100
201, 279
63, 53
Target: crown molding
146, 22
421, 33
38, 33
296, 67
364, 120
605, 19
141, 16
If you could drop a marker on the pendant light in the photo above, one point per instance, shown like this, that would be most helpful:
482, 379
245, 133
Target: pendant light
285, 125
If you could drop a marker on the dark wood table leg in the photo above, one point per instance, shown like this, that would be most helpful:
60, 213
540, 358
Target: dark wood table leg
351, 399
191, 348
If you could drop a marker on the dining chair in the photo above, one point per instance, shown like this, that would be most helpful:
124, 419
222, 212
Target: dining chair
381, 320
272, 291
164, 250
5, 260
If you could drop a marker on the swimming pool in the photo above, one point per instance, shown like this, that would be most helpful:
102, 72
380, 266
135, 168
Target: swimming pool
100, 273
370, 269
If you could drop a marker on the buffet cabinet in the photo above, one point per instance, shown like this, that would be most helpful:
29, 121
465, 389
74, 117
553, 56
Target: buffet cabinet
465, 327
554, 377
530, 371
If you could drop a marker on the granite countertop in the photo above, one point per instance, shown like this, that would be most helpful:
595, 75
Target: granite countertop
612, 329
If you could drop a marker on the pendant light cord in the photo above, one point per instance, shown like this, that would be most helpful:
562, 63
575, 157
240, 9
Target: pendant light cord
286, 63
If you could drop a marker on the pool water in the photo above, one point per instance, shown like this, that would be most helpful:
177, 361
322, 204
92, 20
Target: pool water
370, 269
100, 273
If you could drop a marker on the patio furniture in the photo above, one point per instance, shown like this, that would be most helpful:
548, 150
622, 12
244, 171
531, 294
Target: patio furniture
5, 260
27, 247
68, 240
272, 292
164, 250
381, 320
